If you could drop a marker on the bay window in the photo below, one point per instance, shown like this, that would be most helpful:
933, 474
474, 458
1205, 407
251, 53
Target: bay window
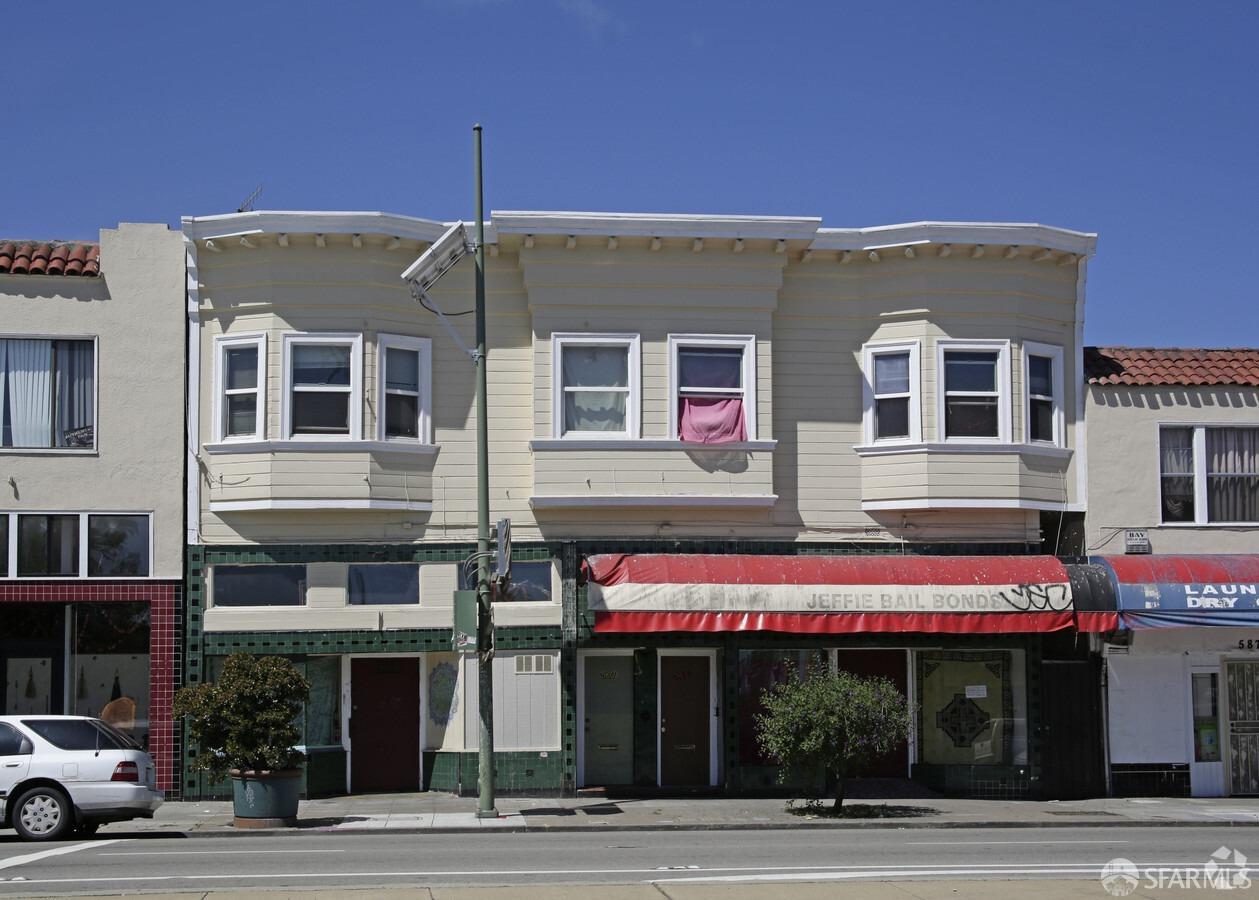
241, 387
322, 386
892, 390
1043, 394
404, 375
1209, 474
47, 393
712, 397
596, 385
973, 394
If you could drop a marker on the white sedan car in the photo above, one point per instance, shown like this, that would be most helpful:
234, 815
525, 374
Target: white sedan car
66, 775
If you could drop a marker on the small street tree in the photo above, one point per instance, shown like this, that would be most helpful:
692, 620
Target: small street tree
832, 722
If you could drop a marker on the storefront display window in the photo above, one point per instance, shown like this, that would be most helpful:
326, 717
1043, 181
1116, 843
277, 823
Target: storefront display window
323, 708
109, 665
1206, 717
760, 670
32, 657
972, 708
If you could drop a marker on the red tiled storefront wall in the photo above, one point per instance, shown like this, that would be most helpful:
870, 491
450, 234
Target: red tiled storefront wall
164, 598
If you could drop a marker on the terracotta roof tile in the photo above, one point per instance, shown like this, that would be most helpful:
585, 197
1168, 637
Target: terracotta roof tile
50, 258
1171, 366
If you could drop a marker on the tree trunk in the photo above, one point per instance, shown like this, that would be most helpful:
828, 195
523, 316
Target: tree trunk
839, 792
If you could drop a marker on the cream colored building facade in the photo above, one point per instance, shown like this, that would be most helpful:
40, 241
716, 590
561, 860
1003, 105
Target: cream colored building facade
308, 448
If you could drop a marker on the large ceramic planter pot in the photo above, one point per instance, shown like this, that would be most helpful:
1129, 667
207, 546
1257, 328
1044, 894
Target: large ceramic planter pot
265, 799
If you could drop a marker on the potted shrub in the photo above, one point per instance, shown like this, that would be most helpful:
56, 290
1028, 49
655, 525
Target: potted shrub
245, 725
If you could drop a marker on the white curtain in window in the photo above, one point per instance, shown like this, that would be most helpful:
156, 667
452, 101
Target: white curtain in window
1233, 474
75, 393
29, 392
1176, 447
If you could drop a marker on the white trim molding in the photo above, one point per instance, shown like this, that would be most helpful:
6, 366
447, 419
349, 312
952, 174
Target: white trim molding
869, 354
354, 341
223, 343
633, 401
956, 447
1055, 355
745, 342
969, 503
411, 448
218, 506
546, 445
423, 348
654, 225
1002, 349
1024, 234
302, 222
640, 501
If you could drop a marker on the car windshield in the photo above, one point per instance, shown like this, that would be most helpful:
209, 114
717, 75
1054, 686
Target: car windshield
75, 734
125, 740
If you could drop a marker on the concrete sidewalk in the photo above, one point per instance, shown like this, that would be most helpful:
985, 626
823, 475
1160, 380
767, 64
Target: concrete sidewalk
436, 812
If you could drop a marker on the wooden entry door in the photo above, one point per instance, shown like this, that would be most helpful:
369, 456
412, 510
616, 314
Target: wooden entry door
685, 721
609, 714
1071, 730
384, 725
894, 666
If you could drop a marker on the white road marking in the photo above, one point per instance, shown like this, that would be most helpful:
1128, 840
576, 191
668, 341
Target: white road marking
55, 851
979, 843
813, 873
210, 852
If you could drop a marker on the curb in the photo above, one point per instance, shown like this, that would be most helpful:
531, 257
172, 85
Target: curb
887, 825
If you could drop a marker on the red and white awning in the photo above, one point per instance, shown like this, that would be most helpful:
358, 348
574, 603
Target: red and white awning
832, 594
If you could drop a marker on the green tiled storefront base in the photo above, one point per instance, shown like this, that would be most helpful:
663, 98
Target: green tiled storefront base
980, 782
517, 773
323, 775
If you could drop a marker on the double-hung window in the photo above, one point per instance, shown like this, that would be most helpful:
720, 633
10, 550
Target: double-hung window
241, 377
973, 395
892, 391
712, 381
1043, 420
47, 393
404, 374
596, 385
323, 386
1209, 474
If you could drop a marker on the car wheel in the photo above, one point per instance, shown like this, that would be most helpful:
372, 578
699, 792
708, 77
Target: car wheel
42, 814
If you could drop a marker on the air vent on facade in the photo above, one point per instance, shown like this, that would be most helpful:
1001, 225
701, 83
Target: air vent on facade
539, 664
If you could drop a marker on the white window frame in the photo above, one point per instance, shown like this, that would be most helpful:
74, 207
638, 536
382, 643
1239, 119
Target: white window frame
96, 396
869, 353
10, 551
223, 343
423, 347
633, 400
1201, 515
1055, 356
746, 342
354, 340
1002, 349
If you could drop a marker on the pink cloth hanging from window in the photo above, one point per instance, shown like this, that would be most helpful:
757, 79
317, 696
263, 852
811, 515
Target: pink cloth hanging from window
705, 420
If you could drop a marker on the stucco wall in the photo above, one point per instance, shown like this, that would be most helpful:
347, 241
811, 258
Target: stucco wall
1123, 439
135, 310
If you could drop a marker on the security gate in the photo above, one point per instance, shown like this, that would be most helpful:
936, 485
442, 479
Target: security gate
1243, 727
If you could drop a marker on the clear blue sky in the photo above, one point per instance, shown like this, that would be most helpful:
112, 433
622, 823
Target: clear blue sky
1138, 120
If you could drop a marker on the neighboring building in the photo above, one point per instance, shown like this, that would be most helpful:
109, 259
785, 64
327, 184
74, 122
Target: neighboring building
1174, 473
91, 465
725, 444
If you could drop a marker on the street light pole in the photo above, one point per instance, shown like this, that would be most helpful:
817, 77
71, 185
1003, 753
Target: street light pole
485, 611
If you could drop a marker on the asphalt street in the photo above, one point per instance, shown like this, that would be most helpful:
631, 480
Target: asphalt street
323, 860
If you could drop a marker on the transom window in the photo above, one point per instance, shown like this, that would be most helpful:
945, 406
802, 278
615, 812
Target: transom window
892, 391
47, 393
1209, 474
596, 381
323, 399
75, 545
387, 584
241, 377
974, 400
531, 582
405, 377
1043, 379
260, 585
713, 378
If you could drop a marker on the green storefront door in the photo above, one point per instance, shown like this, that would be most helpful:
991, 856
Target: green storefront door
609, 688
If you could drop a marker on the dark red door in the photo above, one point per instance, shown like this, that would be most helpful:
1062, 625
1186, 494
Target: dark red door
892, 665
384, 725
685, 722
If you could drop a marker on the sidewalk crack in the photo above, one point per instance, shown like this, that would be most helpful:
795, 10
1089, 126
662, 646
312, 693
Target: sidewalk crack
663, 892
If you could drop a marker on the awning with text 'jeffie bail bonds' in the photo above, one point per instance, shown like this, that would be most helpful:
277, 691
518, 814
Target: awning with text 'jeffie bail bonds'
844, 594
